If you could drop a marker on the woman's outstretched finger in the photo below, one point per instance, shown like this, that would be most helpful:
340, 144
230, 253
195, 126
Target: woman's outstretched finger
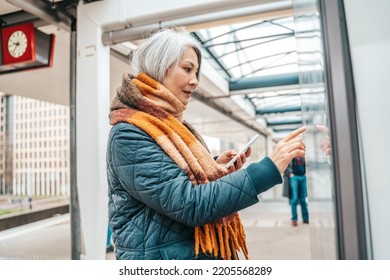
294, 134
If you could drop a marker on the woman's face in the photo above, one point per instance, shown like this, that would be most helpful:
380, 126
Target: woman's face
182, 80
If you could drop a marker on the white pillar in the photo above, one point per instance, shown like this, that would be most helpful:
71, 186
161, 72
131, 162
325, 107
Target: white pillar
92, 109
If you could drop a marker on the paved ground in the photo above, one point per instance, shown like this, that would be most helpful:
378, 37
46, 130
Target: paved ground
269, 236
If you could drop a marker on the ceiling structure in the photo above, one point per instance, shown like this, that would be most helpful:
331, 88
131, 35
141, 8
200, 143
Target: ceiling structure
257, 58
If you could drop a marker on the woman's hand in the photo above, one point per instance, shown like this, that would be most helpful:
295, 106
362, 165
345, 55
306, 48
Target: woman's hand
289, 147
228, 155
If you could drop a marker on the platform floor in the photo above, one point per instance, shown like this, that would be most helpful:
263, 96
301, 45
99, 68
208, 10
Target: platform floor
270, 236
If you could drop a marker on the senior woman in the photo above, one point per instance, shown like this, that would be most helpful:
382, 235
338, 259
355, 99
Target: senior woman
168, 198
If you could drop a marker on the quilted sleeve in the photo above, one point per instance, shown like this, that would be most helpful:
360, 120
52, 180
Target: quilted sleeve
150, 176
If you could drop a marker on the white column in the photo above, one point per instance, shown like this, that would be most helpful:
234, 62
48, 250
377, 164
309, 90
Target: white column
92, 103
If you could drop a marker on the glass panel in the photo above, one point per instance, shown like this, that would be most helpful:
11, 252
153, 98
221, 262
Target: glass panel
369, 44
315, 115
258, 49
250, 49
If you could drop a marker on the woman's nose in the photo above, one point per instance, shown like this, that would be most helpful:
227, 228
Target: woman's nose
194, 82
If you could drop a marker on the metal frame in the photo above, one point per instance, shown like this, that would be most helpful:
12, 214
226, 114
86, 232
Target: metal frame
43, 11
207, 13
209, 46
344, 136
61, 17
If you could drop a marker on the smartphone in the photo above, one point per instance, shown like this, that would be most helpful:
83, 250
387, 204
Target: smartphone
243, 150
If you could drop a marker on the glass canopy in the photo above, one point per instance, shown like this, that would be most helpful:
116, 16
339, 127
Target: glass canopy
259, 60
252, 49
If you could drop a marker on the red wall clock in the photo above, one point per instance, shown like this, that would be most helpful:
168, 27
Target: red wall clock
18, 43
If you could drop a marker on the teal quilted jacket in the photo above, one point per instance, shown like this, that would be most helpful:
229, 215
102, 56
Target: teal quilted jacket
154, 207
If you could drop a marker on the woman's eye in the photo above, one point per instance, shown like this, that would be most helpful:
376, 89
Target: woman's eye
187, 69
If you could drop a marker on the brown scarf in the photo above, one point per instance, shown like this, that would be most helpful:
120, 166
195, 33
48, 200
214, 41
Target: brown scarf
147, 104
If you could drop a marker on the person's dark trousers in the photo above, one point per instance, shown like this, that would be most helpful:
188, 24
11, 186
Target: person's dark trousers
298, 195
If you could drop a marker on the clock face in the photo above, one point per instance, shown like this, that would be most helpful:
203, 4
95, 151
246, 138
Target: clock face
17, 44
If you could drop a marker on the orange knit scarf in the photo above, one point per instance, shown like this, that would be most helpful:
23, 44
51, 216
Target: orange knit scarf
147, 104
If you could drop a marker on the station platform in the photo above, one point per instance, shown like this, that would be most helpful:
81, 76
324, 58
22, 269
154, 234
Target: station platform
270, 236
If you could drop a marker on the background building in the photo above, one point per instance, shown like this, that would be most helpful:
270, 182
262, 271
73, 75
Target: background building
34, 147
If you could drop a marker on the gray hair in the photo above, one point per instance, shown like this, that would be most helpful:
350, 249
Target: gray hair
160, 51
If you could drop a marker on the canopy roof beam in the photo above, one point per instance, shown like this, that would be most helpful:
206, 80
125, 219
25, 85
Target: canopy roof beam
214, 13
264, 82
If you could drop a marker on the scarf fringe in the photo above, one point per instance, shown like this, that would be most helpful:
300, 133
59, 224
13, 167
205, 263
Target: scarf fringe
231, 237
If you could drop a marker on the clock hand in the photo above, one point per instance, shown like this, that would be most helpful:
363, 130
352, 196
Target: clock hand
16, 45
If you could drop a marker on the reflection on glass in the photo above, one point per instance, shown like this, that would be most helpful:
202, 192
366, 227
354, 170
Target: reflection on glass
315, 115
